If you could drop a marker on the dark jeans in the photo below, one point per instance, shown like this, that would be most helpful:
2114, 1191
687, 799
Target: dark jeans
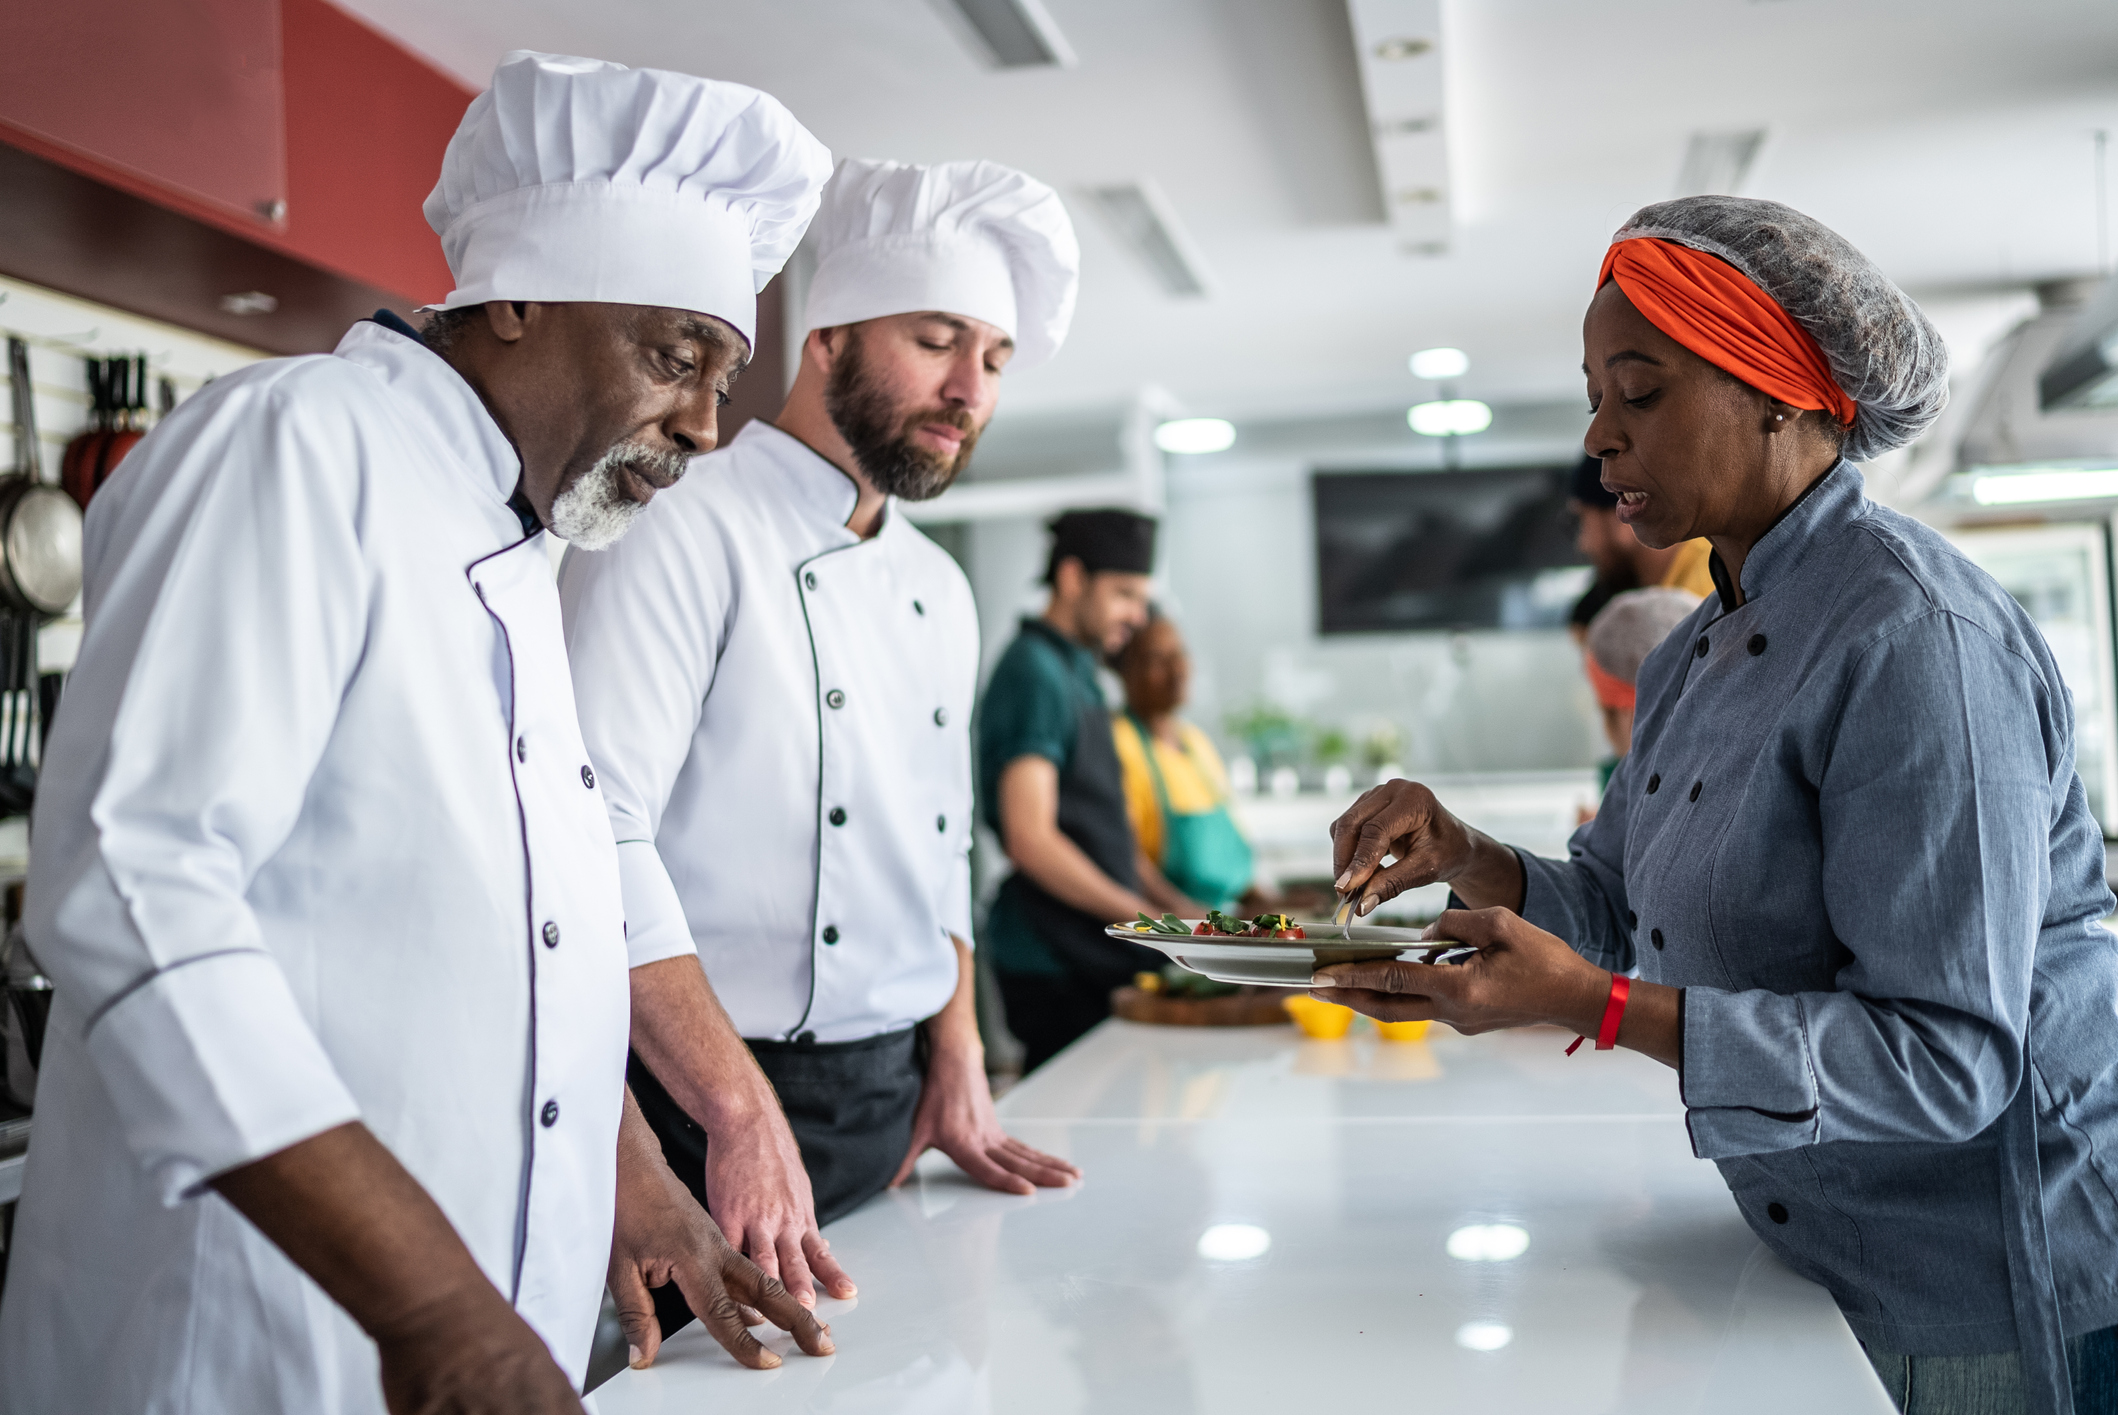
849, 1104
1992, 1385
1048, 1012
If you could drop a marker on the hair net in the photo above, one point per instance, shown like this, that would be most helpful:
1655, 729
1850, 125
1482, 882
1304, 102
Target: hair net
1626, 629
1882, 350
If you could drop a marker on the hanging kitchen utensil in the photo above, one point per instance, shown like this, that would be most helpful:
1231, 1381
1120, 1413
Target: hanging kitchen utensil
117, 391
40, 547
29, 459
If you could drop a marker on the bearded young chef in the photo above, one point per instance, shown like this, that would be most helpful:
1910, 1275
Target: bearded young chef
333, 1088
783, 738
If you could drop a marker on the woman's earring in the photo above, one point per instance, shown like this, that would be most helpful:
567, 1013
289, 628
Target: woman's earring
1779, 417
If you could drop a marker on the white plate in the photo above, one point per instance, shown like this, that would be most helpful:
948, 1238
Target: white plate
1283, 962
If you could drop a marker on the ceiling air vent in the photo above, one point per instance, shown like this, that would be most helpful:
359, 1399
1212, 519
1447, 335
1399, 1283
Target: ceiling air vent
1142, 218
1717, 163
1013, 34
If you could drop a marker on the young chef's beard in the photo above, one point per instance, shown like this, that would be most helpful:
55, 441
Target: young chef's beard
882, 440
594, 512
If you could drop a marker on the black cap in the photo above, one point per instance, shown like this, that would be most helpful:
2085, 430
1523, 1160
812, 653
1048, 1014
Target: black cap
1588, 485
1110, 539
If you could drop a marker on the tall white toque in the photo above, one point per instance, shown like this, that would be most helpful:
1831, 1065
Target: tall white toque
966, 238
576, 179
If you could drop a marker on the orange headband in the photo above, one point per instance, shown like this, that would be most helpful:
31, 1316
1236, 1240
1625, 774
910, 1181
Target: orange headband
1712, 309
1611, 690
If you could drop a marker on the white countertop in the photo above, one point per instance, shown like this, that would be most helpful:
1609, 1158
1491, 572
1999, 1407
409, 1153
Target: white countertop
1640, 1288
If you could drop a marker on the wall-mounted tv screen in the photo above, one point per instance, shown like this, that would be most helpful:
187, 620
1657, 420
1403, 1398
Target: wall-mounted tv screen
1488, 549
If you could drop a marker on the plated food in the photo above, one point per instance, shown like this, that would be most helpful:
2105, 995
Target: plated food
1220, 925
1274, 950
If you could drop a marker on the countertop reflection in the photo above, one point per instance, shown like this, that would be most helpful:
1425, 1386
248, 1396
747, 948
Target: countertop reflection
1270, 1223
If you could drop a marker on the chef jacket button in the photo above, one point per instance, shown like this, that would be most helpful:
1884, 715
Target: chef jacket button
941, 717
807, 1038
1655, 937
1701, 649
918, 608
835, 698
551, 933
831, 933
1695, 789
550, 1114
941, 823
1776, 1211
838, 815
809, 579
1654, 783
522, 749
588, 776
1632, 920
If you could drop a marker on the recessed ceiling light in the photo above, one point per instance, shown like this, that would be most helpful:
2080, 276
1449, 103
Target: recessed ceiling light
1404, 47
1488, 1242
1456, 417
1234, 1243
1484, 1336
1195, 435
249, 302
1437, 364
1016, 34
1144, 219
2045, 484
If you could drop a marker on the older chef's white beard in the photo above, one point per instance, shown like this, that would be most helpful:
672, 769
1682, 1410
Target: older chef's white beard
593, 512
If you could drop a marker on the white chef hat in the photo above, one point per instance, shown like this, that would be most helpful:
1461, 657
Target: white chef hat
967, 238
576, 179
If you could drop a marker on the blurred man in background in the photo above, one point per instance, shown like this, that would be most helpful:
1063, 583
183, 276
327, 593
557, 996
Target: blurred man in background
1053, 791
1622, 562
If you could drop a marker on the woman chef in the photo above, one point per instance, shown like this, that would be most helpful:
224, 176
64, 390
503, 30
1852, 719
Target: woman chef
320, 866
775, 676
1848, 854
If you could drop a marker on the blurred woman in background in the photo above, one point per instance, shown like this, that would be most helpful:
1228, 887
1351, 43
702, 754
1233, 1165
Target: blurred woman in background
1193, 857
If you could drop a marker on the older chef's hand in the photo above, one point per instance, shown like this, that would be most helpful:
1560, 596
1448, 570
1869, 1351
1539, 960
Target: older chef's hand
1400, 821
956, 1117
1521, 976
470, 1355
663, 1236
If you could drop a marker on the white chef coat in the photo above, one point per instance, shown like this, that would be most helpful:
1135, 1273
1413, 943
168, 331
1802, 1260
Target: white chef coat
779, 711
316, 841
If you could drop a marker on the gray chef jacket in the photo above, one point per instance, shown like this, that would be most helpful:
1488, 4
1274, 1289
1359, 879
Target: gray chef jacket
1850, 829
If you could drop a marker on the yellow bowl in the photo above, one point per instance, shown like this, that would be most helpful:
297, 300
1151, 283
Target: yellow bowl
1401, 1031
1326, 1021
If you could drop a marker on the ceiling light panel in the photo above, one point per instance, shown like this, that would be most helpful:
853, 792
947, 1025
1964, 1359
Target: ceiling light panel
1717, 163
1398, 49
1141, 217
1011, 34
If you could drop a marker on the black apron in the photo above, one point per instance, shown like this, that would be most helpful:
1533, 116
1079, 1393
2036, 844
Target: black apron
1092, 814
849, 1104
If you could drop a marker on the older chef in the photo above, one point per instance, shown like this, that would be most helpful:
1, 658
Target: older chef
775, 677
333, 1088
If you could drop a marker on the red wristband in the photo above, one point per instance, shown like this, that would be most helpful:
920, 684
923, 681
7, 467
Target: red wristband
1613, 1014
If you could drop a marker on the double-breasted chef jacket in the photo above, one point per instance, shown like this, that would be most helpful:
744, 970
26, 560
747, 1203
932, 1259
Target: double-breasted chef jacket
783, 741
1851, 830
316, 841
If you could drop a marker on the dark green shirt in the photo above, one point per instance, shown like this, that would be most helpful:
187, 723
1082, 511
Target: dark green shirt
1034, 707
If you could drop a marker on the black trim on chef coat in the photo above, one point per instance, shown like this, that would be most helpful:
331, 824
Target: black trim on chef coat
518, 503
